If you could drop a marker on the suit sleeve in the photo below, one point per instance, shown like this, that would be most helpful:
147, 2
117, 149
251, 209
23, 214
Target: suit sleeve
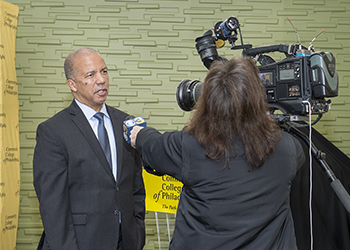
163, 152
51, 186
139, 199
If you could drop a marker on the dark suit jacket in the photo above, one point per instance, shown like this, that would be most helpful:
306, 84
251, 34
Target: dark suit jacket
80, 202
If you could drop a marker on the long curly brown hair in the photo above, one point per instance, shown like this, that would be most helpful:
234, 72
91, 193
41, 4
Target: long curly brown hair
231, 104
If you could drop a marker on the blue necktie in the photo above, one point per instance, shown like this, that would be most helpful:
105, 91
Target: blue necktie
103, 137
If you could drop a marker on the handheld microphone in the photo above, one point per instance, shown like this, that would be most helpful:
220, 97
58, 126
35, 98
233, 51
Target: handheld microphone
130, 122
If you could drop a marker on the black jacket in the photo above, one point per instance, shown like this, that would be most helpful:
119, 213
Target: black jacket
226, 208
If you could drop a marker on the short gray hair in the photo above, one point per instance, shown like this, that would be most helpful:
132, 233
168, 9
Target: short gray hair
70, 61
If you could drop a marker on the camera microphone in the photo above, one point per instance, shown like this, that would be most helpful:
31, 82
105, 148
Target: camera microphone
310, 45
129, 123
300, 51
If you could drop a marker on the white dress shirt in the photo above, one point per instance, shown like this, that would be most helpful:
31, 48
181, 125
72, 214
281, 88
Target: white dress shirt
89, 114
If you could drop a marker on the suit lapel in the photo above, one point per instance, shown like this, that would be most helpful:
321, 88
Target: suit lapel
117, 121
82, 123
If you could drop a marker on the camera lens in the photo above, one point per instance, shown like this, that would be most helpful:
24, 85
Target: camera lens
187, 94
206, 48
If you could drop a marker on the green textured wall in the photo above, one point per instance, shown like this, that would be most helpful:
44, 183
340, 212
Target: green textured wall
149, 48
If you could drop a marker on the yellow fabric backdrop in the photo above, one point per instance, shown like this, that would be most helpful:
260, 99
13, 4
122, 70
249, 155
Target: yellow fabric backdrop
9, 128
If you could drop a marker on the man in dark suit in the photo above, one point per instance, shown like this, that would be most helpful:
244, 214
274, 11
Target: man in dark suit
89, 199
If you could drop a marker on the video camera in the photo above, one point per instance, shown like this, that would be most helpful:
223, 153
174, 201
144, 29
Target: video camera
296, 85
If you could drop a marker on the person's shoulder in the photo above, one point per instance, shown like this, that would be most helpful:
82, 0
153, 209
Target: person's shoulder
290, 139
183, 136
284, 133
58, 118
116, 112
287, 136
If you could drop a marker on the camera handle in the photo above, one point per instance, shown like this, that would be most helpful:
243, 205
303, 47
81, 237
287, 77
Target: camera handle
320, 156
287, 49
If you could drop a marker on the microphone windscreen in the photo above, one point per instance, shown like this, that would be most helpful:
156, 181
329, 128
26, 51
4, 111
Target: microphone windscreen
129, 123
129, 117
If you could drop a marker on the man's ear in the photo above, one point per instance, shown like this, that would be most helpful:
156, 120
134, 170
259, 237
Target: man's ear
71, 84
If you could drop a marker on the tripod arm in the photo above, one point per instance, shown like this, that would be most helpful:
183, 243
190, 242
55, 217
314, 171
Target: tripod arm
319, 156
341, 193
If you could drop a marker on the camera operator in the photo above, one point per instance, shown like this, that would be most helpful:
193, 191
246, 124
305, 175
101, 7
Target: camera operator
235, 164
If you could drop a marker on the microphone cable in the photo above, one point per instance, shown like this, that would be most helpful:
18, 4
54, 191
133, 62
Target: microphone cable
311, 183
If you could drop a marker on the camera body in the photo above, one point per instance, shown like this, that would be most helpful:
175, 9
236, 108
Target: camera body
295, 83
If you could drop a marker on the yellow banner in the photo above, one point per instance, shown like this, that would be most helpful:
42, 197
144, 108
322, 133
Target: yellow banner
162, 193
9, 128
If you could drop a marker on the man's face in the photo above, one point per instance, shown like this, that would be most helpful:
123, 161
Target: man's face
90, 84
